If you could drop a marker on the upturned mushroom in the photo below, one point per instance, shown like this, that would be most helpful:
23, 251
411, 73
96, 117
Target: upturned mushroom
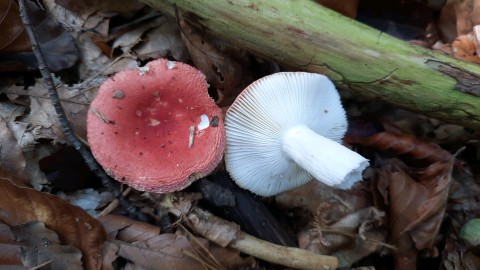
156, 128
285, 129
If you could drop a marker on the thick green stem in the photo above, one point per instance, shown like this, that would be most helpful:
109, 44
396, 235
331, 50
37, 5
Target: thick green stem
303, 35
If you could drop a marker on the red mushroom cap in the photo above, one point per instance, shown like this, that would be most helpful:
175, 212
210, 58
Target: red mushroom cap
155, 128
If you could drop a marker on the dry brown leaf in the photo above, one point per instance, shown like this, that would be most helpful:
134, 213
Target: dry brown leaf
73, 225
42, 121
128, 40
42, 246
12, 160
95, 62
467, 14
315, 194
22, 158
463, 47
88, 199
90, 14
145, 248
401, 144
89, 7
125, 229
458, 18
417, 202
447, 25
347, 8
14, 38
464, 202
351, 238
162, 41
11, 249
222, 71
457, 256
57, 45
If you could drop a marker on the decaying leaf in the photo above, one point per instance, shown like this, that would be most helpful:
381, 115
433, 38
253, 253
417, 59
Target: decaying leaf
417, 202
42, 247
447, 25
467, 15
350, 238
14, 38
94, 12
162, 41
463, 47
457, 256
12, 160
464, 202
347, 8
33, 155
11, 249
88, 199
128, 40
57, 45
222, 71
42, 121
144, 247
458, 18
19, 155
315, 194
55, 42
402, 144
73, 225
95, 62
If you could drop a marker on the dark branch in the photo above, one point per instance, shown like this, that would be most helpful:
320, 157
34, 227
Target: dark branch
87, 156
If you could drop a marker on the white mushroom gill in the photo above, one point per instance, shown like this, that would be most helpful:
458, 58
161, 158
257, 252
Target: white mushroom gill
285, 129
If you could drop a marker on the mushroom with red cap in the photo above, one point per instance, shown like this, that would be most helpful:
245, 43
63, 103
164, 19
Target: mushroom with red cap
285, 129
156, 128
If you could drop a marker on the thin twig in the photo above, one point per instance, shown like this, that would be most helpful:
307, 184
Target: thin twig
209, 256
225, 233
113, 204
62, 118
354, 235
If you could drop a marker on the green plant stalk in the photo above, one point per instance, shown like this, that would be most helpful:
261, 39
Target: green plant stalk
303, 35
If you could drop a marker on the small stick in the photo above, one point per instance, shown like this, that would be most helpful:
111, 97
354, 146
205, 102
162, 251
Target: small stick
191, 136
113, 204
225, 233
55, 98
102, 117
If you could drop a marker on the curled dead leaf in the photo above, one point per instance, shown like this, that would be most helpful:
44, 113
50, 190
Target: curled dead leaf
42, 247
73, 225
352, 237
14, 38
401, 144
145, 247
56, 43
12, 160
463, 47
417, 200
11, 248
222, 71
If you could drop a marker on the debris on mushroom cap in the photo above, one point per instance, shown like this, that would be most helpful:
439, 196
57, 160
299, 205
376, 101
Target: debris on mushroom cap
155, 138
285, 129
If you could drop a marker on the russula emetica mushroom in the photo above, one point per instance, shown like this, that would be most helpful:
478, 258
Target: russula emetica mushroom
156, 128
285, 129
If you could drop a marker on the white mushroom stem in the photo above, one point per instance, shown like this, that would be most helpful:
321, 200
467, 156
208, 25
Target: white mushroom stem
326, 160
